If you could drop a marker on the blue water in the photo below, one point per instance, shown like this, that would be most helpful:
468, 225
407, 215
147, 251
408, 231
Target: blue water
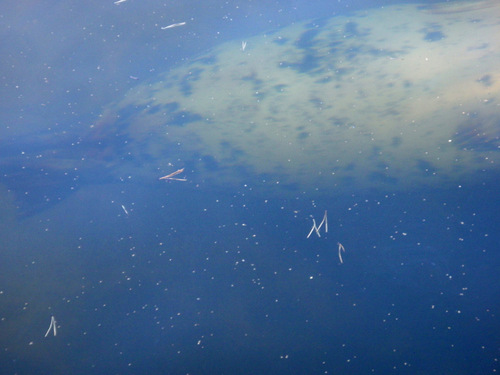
197, 280
200, 282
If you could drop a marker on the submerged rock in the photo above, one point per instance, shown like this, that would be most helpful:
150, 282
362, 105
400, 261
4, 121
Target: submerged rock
392, 98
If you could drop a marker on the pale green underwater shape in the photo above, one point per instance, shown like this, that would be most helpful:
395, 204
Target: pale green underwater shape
392, 98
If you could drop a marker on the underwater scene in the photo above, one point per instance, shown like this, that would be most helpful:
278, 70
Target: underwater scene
299, 187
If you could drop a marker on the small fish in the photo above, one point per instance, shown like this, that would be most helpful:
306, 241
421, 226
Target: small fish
52, 327
173, 25
341, 249
124, 210
171, 176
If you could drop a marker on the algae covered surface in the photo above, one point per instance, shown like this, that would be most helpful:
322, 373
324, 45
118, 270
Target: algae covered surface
395, 97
